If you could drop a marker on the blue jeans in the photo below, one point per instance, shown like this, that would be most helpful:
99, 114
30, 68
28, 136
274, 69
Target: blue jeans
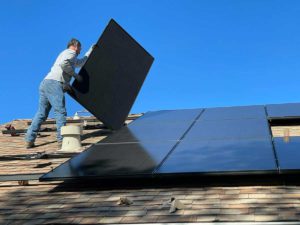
51, 95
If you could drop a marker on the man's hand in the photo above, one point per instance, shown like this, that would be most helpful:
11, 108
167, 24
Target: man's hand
67, 88
78, 78
87, 54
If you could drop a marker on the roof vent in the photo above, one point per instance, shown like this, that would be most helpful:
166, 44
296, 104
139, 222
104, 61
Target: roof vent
71, 138
76, 116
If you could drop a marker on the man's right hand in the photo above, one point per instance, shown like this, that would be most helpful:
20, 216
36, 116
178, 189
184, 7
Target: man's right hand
87, 54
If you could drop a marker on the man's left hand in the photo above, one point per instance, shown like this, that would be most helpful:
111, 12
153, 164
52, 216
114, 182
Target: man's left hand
67, 88
78, 78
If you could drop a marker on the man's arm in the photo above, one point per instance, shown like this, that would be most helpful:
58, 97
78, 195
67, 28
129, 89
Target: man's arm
67, 63
70, 62
67, 67
80, 62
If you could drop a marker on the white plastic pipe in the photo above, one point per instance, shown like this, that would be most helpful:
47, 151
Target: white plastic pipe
71, 138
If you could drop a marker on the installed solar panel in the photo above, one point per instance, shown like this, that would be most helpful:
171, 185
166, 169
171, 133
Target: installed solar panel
112, 76
288, 153
149, 132
238, 112
164, 116
106, 160
156, 126
283, 110
130, 151
171, 142
229, 129
225, 140
220, 156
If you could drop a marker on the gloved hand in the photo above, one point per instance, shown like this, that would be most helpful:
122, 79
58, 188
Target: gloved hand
67, 87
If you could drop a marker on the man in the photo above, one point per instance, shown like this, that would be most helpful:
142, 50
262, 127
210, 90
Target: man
52, 90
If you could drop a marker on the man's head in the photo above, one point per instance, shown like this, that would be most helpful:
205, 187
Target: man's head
75, 45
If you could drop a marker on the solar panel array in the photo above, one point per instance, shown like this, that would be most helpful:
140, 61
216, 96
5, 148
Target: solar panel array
229, 140
225, 139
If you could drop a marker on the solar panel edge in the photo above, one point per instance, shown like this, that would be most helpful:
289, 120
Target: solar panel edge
172, 175
113, 21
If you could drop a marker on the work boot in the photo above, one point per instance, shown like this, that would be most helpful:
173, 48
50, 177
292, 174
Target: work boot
29, 144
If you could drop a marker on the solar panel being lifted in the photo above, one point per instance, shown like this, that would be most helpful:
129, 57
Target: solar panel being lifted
112, 76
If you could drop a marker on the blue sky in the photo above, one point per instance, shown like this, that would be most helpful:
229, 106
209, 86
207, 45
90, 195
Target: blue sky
207, 53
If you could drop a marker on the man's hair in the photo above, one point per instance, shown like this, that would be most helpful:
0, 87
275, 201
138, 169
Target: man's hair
73, 42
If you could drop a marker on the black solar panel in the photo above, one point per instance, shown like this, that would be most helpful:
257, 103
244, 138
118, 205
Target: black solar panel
164, 116
223, 156
106, 160
149, 132
225, 140
287, 110
229, 129
112, 76
130, 151
288, 153
156, 126
237, 112
198, 141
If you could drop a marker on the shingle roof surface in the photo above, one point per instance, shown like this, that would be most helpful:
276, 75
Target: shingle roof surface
41, 203
79, 203
45, 143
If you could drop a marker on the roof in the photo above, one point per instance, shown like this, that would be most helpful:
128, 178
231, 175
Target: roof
86, 203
